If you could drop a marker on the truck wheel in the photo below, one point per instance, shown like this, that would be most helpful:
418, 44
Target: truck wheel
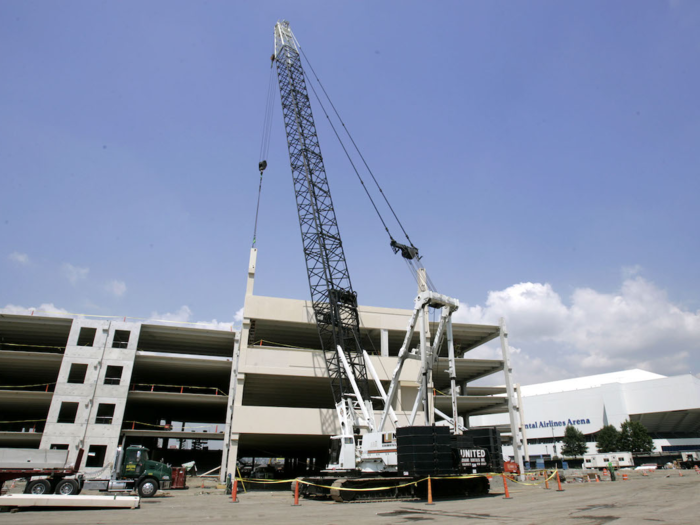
148, 488
68, 487
38, 486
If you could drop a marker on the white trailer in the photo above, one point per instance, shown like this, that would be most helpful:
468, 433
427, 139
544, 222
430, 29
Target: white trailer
603, 460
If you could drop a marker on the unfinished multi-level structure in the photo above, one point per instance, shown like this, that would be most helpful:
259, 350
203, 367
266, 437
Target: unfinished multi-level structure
209, 395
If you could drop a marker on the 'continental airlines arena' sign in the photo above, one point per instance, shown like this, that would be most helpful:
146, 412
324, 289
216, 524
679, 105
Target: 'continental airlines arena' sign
550, 423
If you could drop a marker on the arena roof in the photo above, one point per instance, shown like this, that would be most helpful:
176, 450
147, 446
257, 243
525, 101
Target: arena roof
580, 383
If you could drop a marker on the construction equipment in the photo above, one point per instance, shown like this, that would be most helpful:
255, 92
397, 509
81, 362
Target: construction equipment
134, 471
366, 454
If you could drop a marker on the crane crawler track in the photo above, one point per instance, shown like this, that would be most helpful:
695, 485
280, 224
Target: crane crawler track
399, 488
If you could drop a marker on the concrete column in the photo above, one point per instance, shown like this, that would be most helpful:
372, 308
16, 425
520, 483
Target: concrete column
251, 271
507, 371
232, 455
233, 388
523, 430
384, 334
235, 395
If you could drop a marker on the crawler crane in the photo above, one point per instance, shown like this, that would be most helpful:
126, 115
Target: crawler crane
366, 454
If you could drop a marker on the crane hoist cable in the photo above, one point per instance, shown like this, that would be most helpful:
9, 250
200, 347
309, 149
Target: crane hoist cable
347, 154
409, 252
347, 131
269, 111
265, 142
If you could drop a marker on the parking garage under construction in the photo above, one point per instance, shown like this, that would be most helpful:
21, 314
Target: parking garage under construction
192, 393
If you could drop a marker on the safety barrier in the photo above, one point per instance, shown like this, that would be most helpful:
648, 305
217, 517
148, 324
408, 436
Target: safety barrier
428, 480
505, 487
38, 387
179, 389
21, 346
169, 427
18, 425
532, 478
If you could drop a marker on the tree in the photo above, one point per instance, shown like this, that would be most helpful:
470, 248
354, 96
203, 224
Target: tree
608, 439
574, 442
635, 438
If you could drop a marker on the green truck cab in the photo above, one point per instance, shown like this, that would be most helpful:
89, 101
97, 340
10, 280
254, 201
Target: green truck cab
148, 475
135, 471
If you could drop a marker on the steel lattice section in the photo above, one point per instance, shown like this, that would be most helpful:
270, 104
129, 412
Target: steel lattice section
334, 302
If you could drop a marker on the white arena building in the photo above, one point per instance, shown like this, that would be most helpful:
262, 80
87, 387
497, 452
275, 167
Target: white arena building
669, 408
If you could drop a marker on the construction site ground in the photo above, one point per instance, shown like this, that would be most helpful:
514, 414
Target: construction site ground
661, 497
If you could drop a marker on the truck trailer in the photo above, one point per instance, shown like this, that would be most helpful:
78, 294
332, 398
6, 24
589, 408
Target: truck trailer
50, 468
603, 460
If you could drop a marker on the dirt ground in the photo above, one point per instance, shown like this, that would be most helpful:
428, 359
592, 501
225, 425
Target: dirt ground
662, 497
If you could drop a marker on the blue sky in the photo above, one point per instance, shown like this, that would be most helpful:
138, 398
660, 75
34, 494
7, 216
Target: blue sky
543, 155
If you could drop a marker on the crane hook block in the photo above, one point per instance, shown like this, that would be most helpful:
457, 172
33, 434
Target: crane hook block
407, 252
262, 165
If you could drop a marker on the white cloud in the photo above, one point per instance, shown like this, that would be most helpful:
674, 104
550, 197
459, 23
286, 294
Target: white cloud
19, 258
74, 273
635, 327
238, 316
181, 316
115, 287
184, 315
630, 271
45, 309
536, 309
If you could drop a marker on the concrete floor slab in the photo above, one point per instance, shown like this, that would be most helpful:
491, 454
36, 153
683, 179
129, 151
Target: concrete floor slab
79, 501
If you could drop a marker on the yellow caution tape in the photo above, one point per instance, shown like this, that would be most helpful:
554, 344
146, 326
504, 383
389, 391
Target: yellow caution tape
33, 346
260, 341
178, 386
24, 421
147, 424
266, 481
304, 482
554, 473
26, 386
171, 426
240, 477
